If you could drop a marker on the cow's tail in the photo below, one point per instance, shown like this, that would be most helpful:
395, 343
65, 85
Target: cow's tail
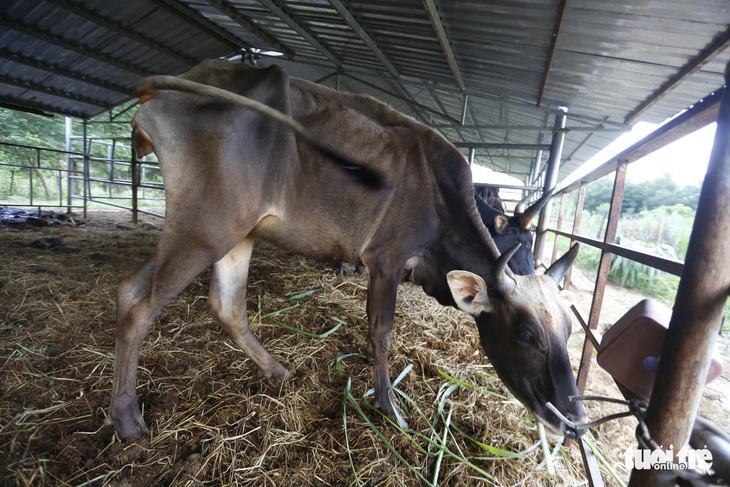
147, 87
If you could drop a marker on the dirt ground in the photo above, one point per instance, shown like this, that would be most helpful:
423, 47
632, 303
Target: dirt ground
215, 421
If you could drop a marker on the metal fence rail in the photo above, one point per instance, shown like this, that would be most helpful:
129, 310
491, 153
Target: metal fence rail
32, 176
98, 170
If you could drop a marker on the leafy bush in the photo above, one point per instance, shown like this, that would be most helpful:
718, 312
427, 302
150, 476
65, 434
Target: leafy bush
663, 231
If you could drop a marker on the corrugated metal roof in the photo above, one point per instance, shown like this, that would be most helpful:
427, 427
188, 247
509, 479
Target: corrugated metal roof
488, 75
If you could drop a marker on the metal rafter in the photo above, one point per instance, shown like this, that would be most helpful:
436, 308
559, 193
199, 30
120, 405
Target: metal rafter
401, 95
226, 9
188, 14
553, 47
364, 36
408, 100
482, 94
50, 91
705, 56
498, 145
51, 68
288, 20
122, 30
39, 109
456, 127
443, 38
531, 128
33, 31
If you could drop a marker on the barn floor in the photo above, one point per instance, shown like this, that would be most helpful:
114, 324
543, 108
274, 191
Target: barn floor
214, 420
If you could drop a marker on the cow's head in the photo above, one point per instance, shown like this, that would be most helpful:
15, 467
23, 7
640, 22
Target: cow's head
524, 327
509, 231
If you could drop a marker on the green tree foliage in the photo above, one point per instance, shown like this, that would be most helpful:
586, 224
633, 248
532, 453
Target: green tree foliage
29, 129
647, 195
648, 226
25, 129
24, 169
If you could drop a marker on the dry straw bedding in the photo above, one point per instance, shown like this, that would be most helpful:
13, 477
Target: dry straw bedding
214, 420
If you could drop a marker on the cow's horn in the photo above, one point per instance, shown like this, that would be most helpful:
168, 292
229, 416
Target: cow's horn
527, 216
502, 281
520, 208
561, 266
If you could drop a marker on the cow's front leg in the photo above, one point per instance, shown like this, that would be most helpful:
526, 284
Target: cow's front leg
382, 291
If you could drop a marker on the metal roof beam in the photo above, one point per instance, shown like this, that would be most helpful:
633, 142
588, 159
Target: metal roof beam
704, 57
288, 20
364, 36
226, 9
50, 91
435, 85
39, 109
121, 30
455, 127
209, 27
553, 47
528, 128
499, 145
50, 68
33, 31
403, 95
400, 95
443, 38
27, 109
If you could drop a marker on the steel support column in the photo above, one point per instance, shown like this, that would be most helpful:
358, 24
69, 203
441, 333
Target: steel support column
135, 186
87, 172
551, 179
69, 163
698, 309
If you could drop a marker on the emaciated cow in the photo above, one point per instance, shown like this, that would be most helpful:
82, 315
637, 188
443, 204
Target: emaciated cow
233, 175
508, 231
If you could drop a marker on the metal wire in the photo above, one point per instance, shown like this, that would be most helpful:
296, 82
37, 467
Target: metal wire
637, 409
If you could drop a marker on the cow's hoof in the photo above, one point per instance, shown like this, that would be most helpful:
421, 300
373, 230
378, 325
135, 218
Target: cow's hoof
391, 409
130, 429
278, 372
126, 418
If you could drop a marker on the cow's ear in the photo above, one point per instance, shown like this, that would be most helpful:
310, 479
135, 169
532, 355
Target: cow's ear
501, 224
567, 298
469, 292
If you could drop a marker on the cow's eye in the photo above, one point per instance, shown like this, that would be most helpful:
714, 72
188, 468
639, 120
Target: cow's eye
526, 337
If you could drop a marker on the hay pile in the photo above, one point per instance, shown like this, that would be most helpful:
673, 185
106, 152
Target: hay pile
213, 419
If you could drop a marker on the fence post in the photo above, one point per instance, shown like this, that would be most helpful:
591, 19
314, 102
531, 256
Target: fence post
87, 173
698, 309
604, 266
69, 163
135, 185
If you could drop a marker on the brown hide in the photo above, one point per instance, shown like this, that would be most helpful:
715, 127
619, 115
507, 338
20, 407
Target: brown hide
233, 175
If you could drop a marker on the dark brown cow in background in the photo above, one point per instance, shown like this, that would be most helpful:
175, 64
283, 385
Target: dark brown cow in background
233, 175
508, 231
491, 197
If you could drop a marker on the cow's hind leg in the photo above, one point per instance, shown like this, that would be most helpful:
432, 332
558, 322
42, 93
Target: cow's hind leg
140, 298
227, 303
